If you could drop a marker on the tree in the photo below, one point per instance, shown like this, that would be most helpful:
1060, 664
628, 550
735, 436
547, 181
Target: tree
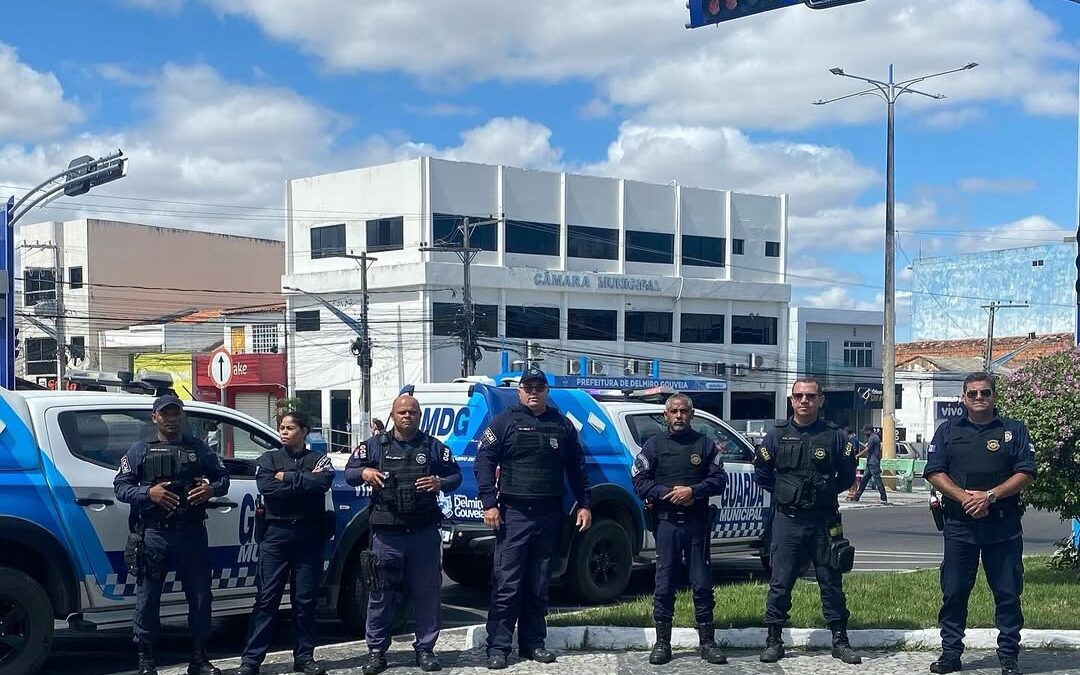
284, 405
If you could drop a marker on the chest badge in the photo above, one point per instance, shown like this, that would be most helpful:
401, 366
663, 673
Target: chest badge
819, 453
695, 459
992, 445
421, 458
192, 457
1008, 436
554, 442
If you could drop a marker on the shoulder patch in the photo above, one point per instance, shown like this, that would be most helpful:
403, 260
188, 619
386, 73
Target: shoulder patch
763, 453
447, 457
323, 464
360, 452
931, 448
847, 449
125, 466
488, 438
640, 464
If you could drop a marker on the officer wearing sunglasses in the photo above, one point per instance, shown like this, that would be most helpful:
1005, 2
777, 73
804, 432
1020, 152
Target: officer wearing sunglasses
981, 464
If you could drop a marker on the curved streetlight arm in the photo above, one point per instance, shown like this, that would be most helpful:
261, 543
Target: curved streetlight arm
877, 83
874, 91
909, 90
63, 174
18, 213
916, 80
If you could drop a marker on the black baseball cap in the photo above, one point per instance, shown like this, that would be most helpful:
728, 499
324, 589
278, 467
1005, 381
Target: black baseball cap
162, 402
533, 373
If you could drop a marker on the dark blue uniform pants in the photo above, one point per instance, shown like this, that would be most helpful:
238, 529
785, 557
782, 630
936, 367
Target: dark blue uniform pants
675, 541
798, 541
872, 471
1004, 567
184, 550
409, 561
289, 553
522, 569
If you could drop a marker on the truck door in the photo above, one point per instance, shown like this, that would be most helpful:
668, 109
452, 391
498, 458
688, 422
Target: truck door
740, 513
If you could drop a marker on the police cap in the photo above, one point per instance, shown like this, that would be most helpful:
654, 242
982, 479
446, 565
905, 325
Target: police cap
162, 402
533, 374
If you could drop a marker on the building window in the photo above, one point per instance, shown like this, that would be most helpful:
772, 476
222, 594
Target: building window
327, 241
772, 249
702, 329
753, 330
385, 234
703, 251
592, 324
40, 356
311, 403
601, 243
77, 348
816, 363
753, 405
650, 247
39, 285
738, 246
307, 322
532, 238
446, 230
447, 318
858, 354
264, 338
1037, 263
539, 323
75, 280
648, 327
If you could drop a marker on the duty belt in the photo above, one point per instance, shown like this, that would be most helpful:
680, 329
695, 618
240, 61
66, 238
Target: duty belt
680, 517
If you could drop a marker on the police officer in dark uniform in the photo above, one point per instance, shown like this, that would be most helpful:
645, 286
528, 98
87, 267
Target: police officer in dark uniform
405, 469
536, 450
980, 464
675, 474
804, 463
168, 482
293, 481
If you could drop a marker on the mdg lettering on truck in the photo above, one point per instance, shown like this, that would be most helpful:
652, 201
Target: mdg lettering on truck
596, 564
62, 532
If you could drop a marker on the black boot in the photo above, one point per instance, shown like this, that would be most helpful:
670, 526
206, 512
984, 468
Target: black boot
774, 644
200, 665
709, 650
841, 647
146, 661
661, 652
946, 663
427, 661
375, 663
1009, 666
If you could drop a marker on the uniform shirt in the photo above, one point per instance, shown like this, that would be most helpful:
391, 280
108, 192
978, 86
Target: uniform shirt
1022, 451
842, 450
306, 477
645, 464
873, 449
368, 455
127, 485
498, 438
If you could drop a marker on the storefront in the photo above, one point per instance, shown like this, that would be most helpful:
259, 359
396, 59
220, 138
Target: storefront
257, 382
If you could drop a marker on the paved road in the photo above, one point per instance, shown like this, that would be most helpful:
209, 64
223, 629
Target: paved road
893, 537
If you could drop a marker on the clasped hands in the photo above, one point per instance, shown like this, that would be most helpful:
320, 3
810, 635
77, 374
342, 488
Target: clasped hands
976, 504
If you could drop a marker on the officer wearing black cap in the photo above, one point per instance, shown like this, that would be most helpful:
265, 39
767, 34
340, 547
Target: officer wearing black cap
293, 482
405, 469
536, 450
804, 462
168, 482
981, 464
675, 474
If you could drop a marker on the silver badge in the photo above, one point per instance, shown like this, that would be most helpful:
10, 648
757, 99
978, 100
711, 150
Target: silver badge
554, 443
421, 458
192, 457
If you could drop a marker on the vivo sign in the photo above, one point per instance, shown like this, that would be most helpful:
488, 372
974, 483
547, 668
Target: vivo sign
949, 410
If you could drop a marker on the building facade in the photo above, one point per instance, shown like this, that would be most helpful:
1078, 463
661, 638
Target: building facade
949, 292
566, 266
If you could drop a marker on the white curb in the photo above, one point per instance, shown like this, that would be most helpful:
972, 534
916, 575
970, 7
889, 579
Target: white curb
612, 638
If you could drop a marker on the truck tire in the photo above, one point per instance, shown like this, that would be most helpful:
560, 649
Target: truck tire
467, 570
26, 623
601, 561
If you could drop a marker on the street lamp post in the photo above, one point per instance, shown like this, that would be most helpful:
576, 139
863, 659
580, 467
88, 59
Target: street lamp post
890, 91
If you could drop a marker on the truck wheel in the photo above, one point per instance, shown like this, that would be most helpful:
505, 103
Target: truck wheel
600, 563
26, 623
353, 604
468, 570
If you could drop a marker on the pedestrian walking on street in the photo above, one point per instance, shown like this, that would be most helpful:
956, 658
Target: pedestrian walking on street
872, 453
406, 469
677, 472
804, 462
536, 449
981, 464
168, 483
292, 534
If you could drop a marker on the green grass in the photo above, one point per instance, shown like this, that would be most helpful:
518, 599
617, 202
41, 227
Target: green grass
911, 600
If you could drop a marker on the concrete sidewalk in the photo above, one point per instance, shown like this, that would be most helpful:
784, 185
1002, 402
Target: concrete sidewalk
871, 499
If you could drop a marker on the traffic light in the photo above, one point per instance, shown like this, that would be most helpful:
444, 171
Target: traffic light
706, 12
80, 166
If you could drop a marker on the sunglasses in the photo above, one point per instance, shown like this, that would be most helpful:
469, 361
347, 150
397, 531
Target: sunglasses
973, 394
533, 388
808, 397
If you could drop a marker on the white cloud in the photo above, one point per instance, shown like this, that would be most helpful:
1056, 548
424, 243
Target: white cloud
836, 297
953, 118
1011, 185
856, 228
33, 106
513, 141
443, 110
1030, 231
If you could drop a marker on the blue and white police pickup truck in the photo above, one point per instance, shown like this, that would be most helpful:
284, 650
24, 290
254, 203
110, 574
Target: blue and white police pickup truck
62, 532
596, 565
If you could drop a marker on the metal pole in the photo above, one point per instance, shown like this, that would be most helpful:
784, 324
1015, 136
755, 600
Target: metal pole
888, 360
365, 349
61, 346
468, 346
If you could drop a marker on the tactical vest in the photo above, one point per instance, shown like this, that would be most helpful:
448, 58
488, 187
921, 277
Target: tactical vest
804, 468
980, 461
398, 503
178, 466
298, 505
680, 460
533, 466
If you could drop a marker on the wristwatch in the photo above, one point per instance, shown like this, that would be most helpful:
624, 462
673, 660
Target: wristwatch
991, 497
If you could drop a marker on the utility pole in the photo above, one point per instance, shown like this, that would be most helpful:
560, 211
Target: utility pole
988, 355
470, 350
361, 346
58, 302
890, 91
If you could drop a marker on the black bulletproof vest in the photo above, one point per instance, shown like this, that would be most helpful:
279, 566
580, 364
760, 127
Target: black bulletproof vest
680, 460
807, 458
980, 461
533, 465
300, 505
399, 503
178, 466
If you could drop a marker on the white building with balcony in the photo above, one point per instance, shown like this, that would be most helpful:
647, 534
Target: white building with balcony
612, 269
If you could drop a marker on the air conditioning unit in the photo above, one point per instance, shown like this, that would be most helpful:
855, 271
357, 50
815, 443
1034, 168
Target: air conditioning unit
632, 367
721, 368
755, 361
738, 370
573, 367
704, 368
596, 368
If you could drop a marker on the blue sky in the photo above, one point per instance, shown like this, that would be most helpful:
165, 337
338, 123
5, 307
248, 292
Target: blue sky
220, 101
